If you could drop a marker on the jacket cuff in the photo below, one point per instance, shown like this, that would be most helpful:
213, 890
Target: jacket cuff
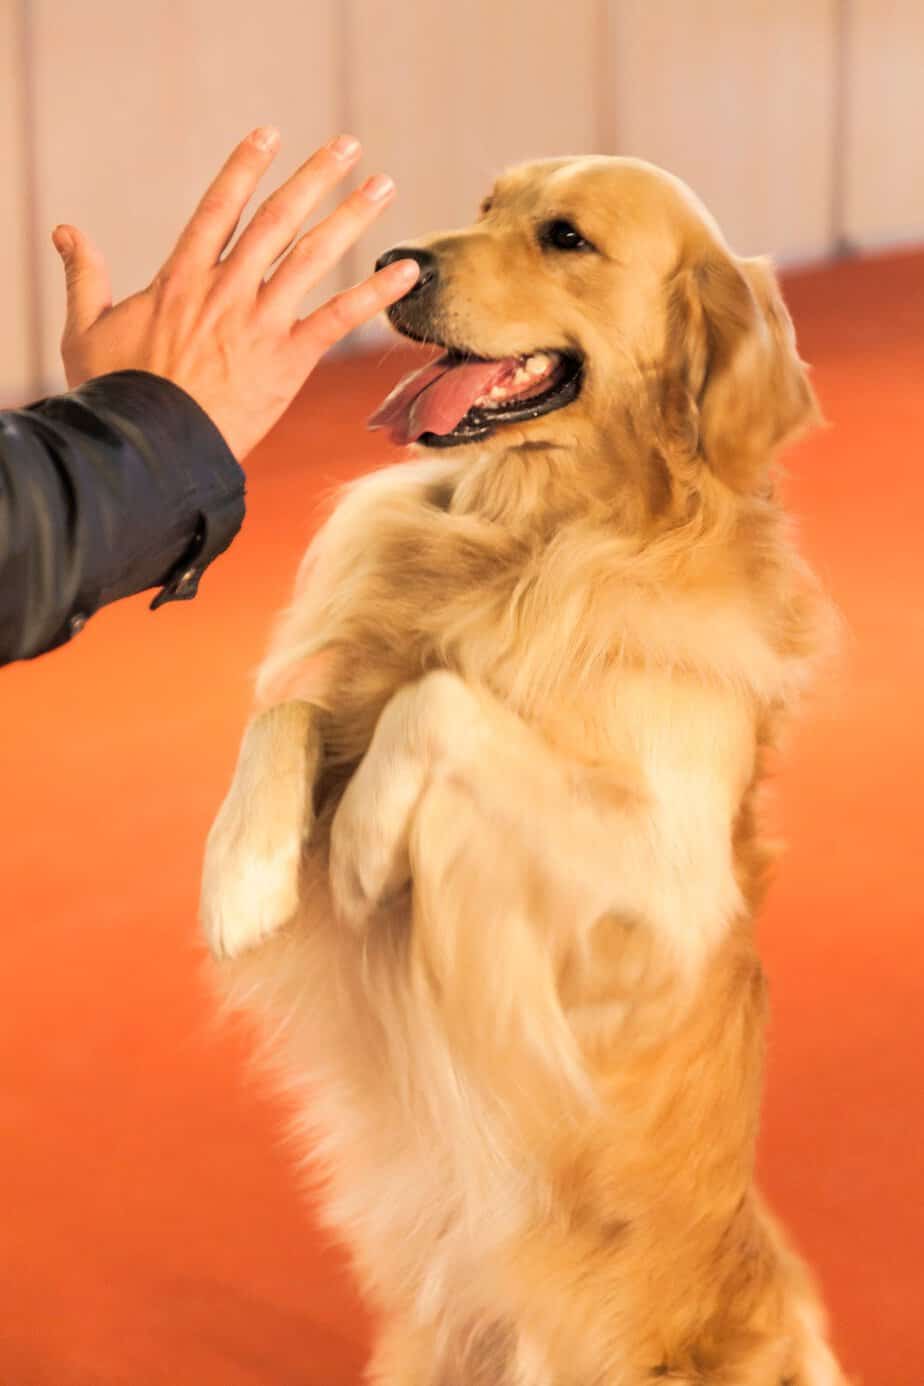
214, 533
171, 428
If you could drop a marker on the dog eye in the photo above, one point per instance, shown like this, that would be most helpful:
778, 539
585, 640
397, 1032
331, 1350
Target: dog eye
561, 235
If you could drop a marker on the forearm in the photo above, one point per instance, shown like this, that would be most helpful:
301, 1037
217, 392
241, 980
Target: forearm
122, 485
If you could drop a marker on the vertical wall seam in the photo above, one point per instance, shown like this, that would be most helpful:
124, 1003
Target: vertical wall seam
840, 243
344, 109
344, 27
604, 104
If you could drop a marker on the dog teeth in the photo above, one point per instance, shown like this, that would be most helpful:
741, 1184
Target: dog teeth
530, 369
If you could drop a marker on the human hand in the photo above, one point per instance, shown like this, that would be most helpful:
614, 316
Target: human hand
218, 327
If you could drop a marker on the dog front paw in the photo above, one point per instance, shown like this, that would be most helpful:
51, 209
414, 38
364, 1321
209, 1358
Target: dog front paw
252, 868
368, 851
246, 896
424, 728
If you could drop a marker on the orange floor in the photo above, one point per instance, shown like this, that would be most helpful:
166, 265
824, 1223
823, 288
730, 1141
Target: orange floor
150, 1226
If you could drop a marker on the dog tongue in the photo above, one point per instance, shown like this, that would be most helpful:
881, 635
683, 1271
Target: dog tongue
436, 397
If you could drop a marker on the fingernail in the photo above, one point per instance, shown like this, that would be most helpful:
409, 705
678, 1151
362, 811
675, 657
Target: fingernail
378, 187
62, 240
405, 271
344, 147
266, 138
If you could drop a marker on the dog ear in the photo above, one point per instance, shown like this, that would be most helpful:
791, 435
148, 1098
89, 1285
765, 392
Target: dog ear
732, 348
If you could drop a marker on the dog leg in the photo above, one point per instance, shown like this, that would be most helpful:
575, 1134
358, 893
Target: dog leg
250, 876
370, 833
443, 746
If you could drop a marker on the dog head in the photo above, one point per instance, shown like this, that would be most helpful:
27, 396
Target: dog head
591, 300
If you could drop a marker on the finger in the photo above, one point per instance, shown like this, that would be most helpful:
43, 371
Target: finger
215, 219
89, 293
323, 246
350, 309
276, 223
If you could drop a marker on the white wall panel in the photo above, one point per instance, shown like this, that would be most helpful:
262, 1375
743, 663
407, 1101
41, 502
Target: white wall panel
738, 98
884, 121
137, 105
446, 95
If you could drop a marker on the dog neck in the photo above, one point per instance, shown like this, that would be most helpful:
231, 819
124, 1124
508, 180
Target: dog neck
682, 543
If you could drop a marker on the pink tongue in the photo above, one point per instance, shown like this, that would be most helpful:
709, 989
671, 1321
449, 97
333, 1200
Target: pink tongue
436, 397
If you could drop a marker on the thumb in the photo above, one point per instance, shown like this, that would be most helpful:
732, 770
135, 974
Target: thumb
88, 290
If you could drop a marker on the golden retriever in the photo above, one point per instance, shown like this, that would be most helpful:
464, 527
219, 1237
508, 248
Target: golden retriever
490, 859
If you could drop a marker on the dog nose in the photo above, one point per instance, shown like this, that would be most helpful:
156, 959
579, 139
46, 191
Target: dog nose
425, 259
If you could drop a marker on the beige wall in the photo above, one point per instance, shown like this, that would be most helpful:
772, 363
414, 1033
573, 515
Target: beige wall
883, 192
738, 98
446, 95
798, 121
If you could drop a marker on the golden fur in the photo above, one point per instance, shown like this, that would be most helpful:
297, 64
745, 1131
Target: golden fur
538, 676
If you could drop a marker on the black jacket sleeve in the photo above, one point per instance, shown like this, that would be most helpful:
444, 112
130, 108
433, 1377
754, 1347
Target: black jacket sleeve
121, 485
